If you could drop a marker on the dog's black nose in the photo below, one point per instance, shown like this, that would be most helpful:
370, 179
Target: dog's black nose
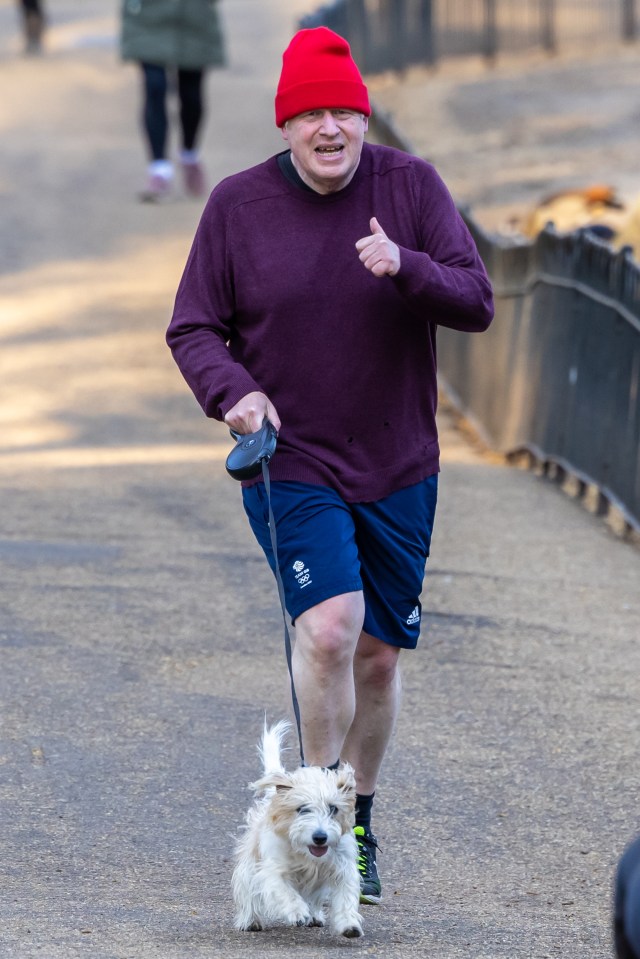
319, 838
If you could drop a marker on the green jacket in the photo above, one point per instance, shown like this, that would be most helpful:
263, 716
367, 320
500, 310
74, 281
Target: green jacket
172, 33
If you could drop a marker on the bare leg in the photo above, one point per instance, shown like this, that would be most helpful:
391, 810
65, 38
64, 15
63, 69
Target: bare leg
377, 687
326, 639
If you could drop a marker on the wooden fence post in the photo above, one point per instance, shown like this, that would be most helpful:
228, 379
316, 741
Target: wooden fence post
358, 35
629, 21
548, 25
490, 29
397, 38
427, 28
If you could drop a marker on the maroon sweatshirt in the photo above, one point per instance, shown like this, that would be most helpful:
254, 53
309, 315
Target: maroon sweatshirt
274, 298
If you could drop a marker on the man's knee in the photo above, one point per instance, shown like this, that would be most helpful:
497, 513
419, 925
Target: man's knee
376, 662
329, 632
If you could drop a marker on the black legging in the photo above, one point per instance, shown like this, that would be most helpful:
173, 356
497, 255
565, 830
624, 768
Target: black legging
32, 6
155, 107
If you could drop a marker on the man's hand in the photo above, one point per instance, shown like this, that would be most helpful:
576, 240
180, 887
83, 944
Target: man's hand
377, 252
248, 415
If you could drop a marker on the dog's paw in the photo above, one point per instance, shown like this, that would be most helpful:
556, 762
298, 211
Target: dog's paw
298, 917
353, 932
318, 915
247, 923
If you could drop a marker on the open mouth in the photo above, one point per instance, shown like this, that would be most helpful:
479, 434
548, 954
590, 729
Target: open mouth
318, 851
329, 151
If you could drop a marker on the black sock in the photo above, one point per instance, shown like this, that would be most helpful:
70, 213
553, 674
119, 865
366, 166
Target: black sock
333, 767
363, 811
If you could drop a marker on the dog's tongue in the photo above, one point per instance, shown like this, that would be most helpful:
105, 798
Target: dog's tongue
318, 850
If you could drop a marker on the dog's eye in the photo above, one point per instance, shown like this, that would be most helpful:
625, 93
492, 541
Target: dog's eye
301, 810
333, 810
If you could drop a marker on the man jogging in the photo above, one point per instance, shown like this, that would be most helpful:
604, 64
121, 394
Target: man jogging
312, 296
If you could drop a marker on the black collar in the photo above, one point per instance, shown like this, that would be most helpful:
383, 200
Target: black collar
289, 171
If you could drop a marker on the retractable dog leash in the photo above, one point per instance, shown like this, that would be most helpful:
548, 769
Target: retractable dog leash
249, 457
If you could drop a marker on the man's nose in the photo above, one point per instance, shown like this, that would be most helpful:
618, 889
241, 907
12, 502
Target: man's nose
328, 124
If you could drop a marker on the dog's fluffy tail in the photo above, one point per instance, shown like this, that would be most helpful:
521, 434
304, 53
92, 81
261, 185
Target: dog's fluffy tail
271, 746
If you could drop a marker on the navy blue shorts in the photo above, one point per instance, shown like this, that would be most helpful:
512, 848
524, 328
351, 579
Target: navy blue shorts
327, 547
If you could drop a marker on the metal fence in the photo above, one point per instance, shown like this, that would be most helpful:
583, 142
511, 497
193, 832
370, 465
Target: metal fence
558, 372
392, 34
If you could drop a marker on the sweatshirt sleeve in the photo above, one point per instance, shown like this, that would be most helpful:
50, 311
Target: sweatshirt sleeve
445, 280
202, 320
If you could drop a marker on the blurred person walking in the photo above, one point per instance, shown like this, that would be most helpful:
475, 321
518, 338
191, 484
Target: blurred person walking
32, 24
626, 908
174, 42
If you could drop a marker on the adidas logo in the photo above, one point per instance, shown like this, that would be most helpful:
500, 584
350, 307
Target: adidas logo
415, 617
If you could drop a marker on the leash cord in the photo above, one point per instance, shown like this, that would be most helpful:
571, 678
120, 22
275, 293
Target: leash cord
287, 637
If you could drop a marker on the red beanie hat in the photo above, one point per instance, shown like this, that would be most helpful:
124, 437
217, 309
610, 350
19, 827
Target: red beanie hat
318, 72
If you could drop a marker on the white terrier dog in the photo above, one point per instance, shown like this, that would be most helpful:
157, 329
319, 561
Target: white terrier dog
297, 858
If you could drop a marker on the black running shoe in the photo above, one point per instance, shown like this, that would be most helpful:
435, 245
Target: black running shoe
370, 888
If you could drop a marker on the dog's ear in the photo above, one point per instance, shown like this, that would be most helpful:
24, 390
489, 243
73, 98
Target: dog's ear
278, 781
346, 780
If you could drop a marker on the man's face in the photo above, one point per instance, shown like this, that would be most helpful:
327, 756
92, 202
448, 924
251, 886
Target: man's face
325, 146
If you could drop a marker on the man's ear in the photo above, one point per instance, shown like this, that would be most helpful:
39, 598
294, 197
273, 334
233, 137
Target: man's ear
284, 132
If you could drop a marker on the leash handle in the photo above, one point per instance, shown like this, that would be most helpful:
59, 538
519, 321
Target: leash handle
287, 637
